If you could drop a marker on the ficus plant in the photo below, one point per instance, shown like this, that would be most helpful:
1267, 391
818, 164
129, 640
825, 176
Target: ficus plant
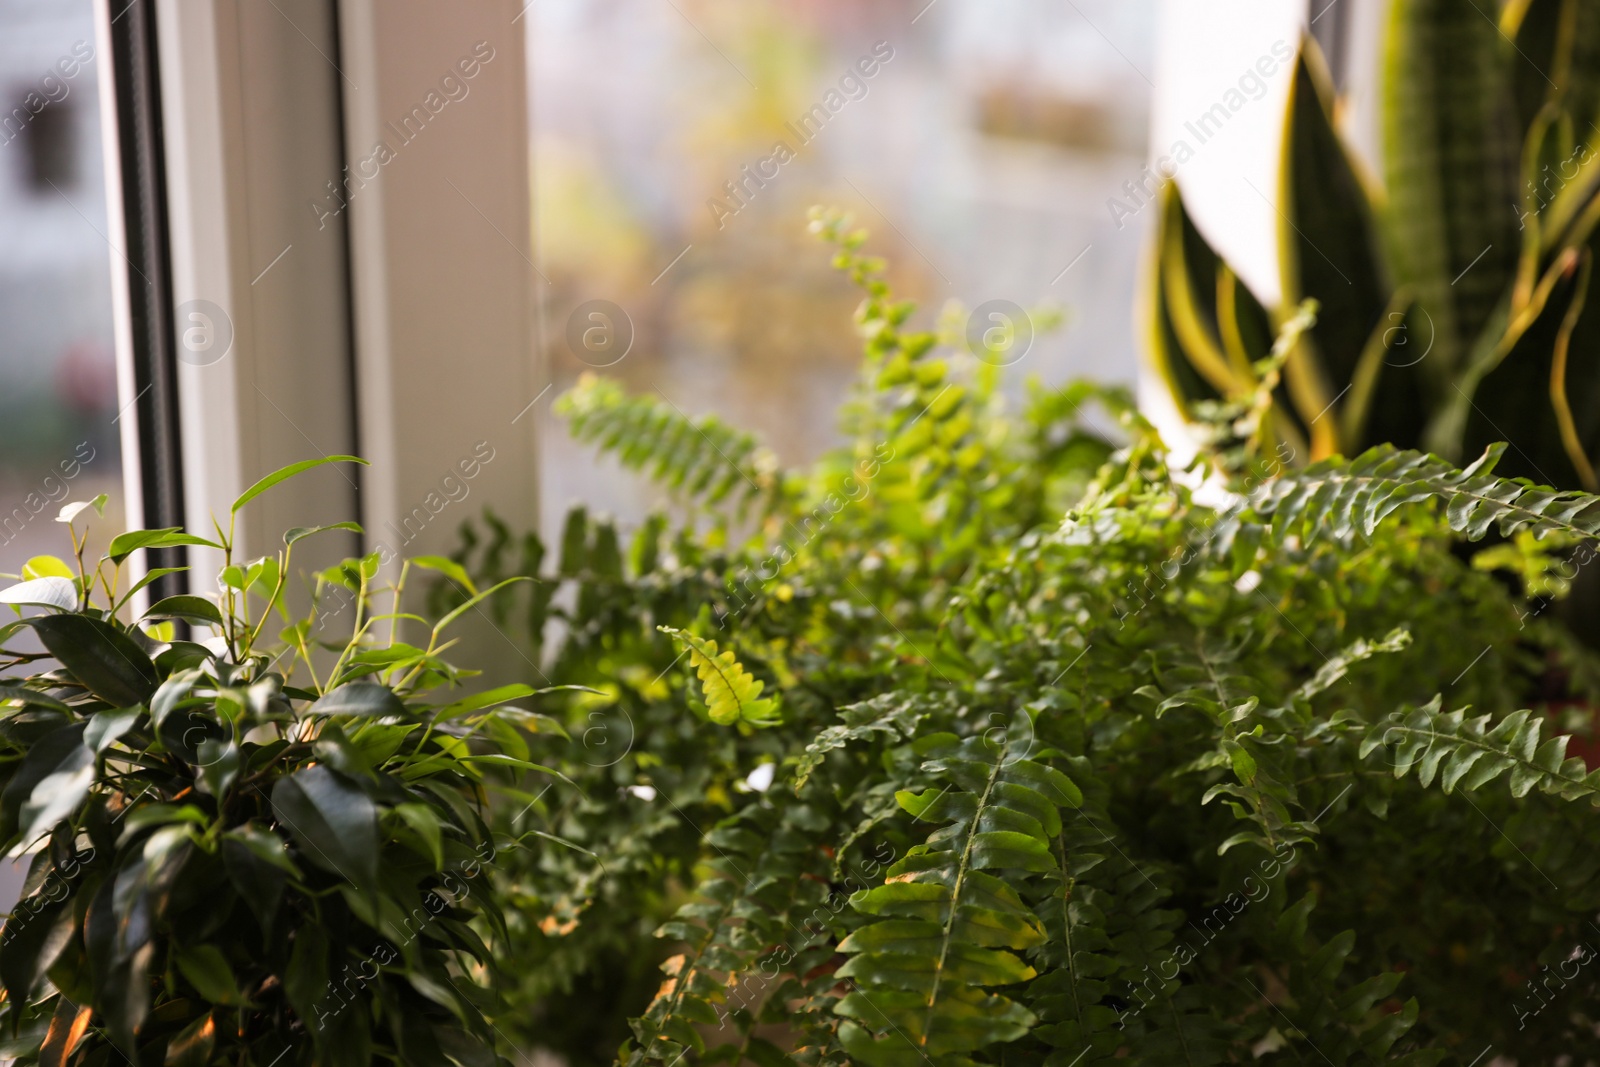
990, 739
262, 842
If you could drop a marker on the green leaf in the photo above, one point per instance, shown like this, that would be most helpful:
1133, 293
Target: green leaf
207, 970
105, 727
333, 822
48, 567
300, 533
44, 757
102, 658
305, 982
48, 592
189, 608
731, 693
452, 570
265, 845
948, 930
489, 698
283, 474
30, 943
58, 794
219, 762
473, 602
425, 821
1450, 151
359, 699
23, 695
71, 511
194, 1044
126, 544
151, 575
259, 881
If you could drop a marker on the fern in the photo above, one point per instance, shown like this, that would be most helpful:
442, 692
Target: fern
1468, 753
1337, 1019
742, 947
703, 458
1346, 500
732, 695
891, 715
949, 929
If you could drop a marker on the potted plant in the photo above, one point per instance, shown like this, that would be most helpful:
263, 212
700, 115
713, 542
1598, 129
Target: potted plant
260, 844
989, 739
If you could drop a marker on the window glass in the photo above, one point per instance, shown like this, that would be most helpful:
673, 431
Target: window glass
982, 144
58, 385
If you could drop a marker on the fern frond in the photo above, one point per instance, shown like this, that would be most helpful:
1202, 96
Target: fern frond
892, 714
704, 458
948, 929
1467, 753
1346, 499
1333, 1015
732, 694
743, 942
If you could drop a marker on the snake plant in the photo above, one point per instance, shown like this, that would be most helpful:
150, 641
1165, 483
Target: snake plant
1453, 297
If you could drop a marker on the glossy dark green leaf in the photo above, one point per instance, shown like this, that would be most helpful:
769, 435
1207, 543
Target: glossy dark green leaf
194, 1044
189, 608
305, 982
258, 881
67, 1027
361, 699
24, 695
206, 968
29, 944
1328, 231
43, 758
58, 794
219, 760
101, 657
334, 823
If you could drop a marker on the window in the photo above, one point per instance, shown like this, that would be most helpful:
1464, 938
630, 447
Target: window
978, 142
59, 415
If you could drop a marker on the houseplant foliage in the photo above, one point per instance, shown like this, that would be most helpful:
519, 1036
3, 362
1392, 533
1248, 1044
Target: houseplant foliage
257, 847
994, 742
1456, 303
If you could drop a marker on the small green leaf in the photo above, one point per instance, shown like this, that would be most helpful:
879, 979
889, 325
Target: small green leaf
283, 474
300, 533
473, 602
207, 970
71, 511
732, 694
125, 545
48, 567
449, 568
189, 608
106, 726
259, 881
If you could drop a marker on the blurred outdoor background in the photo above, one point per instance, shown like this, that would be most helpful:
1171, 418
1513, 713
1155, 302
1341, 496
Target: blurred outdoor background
980, 154
58, 385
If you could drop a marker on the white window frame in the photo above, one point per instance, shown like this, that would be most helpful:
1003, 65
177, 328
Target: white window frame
399, 328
